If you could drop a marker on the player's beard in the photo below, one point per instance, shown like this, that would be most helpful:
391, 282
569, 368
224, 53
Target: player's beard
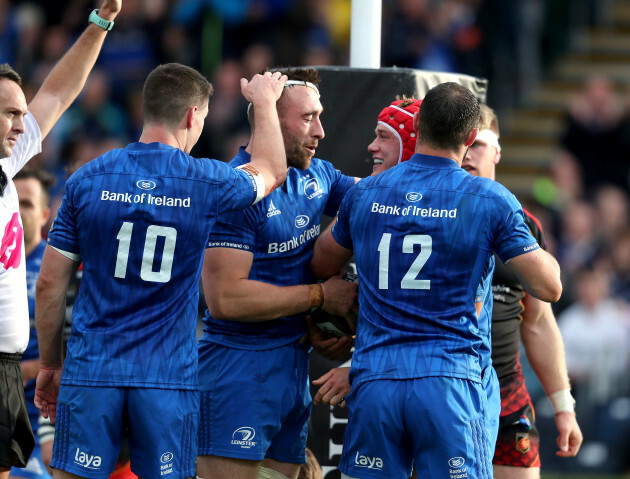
297, 156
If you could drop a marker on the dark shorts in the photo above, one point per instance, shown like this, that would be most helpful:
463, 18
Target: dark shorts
518, 441
16, 436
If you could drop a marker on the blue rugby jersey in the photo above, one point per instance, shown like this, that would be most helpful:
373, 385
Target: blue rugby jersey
280, 231
33, 264
139, 218
423, 236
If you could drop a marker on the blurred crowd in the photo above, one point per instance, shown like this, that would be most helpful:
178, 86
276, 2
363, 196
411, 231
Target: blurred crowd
587, 220
509, 42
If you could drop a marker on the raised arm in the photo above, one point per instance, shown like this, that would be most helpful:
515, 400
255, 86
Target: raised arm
231, 295
50, 297
64, 83
268, 155
545, 352
539, 273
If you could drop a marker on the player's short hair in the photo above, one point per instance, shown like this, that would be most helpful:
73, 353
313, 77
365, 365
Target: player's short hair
45, 179
448, 113
10, 74
488, 119
309, 75
170, 90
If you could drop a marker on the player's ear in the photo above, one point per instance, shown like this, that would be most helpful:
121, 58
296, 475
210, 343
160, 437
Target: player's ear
470, 139
190, 117
416, 121
497, 156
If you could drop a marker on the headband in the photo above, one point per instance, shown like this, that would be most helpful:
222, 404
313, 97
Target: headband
290, 83
308, 84
399, 120
489, 137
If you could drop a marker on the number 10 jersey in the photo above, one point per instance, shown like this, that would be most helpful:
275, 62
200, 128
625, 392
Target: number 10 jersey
138, 218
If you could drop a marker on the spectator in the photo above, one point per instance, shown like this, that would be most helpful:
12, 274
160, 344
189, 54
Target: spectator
594, 134
596, 335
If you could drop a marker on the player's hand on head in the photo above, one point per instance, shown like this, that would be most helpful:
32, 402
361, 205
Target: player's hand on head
330, 347
569, 434
112, 6
334, 387
265, 87
47, 390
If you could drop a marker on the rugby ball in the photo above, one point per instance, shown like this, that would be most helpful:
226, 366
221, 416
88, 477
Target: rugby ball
331, 323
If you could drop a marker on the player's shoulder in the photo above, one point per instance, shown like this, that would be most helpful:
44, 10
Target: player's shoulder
323, 168
105, 163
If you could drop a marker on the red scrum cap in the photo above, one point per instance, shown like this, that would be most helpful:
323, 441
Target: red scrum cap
399, 120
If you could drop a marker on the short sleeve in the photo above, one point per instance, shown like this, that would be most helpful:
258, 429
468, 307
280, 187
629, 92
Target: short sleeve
238, 188
235, 229
63, 234
341, 229
513, 237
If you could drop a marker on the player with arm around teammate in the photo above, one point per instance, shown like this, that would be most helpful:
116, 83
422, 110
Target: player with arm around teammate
517, 315
253, 361
22, 129
516, 454
419, 343
138, 219
394, 142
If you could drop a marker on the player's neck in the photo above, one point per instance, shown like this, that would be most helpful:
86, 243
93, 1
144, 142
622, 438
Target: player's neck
159, 134
456, 156
30, 247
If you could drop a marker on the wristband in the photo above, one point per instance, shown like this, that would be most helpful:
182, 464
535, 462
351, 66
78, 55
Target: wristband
562, 401
106, 25
315, 295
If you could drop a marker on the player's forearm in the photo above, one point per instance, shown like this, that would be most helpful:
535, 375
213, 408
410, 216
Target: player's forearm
50, 298
268, 154
64, 83
328, 255
545, 352
49, 319
249, 300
